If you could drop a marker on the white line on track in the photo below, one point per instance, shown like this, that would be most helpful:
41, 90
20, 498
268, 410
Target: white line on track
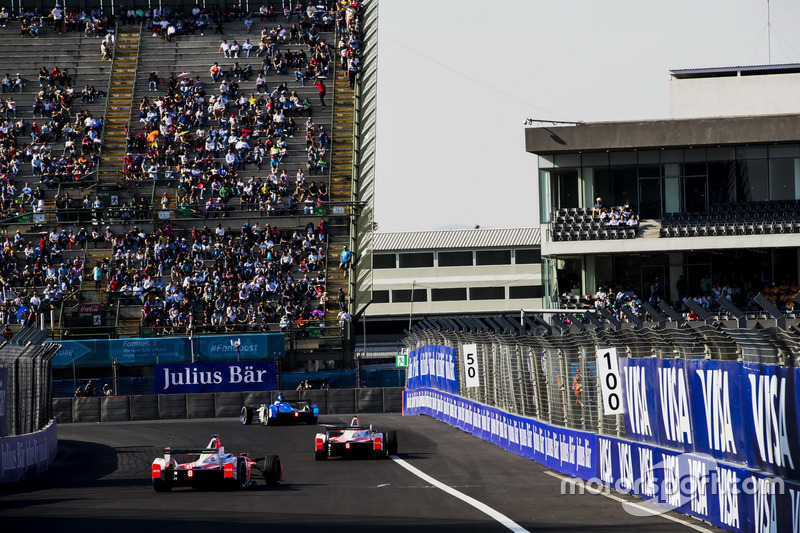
625, 502
500, 517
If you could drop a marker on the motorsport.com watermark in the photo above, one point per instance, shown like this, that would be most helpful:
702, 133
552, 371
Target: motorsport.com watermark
676, 481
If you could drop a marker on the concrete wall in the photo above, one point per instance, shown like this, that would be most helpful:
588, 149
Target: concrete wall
221, 404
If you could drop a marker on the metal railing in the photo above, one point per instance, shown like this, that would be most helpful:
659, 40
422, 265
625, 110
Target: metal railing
553, 378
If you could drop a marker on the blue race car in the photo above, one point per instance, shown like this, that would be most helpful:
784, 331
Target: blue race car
281, 412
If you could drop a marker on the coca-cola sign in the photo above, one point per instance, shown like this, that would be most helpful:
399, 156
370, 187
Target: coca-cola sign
90, 309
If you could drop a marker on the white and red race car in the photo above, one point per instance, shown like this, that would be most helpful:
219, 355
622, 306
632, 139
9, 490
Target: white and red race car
212, 467
354, 440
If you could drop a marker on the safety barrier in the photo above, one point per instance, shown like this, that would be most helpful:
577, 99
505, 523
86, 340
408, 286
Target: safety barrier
221, 404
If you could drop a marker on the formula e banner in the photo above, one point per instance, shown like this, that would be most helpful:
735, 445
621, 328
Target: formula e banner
3, 402
215, 377
434, 367
734, 412
568, 451
170, 349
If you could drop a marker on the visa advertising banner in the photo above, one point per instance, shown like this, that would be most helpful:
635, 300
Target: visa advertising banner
741, 413
234, 376
434, 367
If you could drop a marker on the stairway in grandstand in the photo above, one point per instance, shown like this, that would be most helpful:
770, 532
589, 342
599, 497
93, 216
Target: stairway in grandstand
120, 101
341, 185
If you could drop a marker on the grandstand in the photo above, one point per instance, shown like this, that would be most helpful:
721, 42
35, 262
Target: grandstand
184, 241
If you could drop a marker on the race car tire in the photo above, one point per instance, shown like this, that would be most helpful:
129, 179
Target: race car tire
241, 474
159, 485
391, 443
313, 420
273, 470
266, 419
246, 416
320, 455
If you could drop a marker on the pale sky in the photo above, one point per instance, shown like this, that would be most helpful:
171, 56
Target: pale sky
457, 79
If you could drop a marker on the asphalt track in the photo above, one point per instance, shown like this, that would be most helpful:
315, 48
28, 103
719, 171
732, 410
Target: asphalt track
100, 482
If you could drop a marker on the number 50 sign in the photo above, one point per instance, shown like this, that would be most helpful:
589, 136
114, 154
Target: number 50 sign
608, 373
471, 365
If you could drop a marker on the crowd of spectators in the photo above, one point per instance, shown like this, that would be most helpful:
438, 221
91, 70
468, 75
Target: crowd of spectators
616, 215
200, 136
198, 140
220, 279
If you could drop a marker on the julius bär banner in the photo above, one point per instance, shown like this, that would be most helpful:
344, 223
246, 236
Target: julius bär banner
235, 376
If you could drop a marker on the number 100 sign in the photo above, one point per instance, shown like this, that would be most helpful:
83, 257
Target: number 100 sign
608, 374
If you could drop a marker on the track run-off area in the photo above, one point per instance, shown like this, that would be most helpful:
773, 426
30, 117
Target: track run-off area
441, 480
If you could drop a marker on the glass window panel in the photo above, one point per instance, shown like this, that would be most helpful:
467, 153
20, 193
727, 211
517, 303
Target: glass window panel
753, 180
493, 257
416, 260
449, 295
694, 154
672, 156
623, 158
649, 157
528, 257
721, 154
568, 160
384, 261
404, 295
449, 259
784, 150
487, 293
380, 297
782, 179
546, 161
751, 152
595, 159
525, 291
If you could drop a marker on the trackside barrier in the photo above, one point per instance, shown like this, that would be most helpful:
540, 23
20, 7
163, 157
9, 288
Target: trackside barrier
221, 405
26, 455
723, 494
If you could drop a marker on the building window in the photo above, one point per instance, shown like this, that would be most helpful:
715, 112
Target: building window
448, 295
493, 257
528, 257
416, 260
525, 291
404, 295
455, 259
384, 261
487, 293
380, 297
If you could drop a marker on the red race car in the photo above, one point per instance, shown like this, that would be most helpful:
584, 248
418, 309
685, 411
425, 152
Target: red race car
354, 440
212, 467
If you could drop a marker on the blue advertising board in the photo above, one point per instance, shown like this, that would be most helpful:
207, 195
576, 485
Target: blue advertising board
735, 412
223, 347
434, 367
233, 376
147, 351
564, 450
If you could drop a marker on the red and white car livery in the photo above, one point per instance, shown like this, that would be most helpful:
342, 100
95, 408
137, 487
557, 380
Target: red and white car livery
354, 440
212, 467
